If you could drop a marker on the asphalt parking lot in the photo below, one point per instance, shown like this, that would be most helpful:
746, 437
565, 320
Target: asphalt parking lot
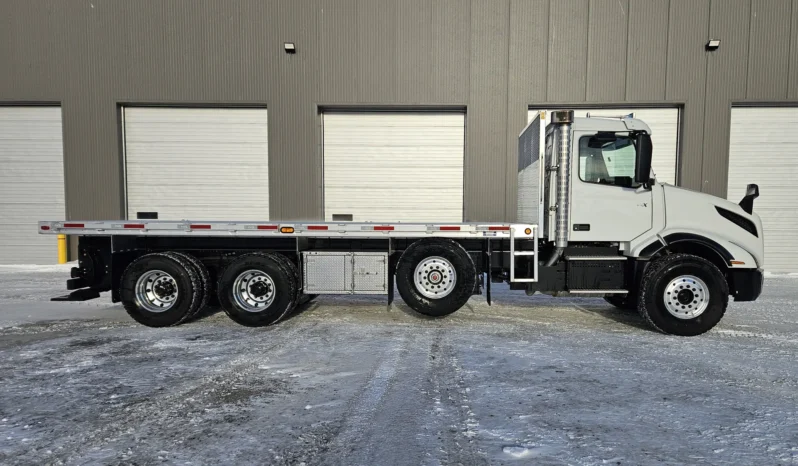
348, 381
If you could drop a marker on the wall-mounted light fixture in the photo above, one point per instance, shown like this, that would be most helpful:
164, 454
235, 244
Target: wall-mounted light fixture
289, 47
713, 45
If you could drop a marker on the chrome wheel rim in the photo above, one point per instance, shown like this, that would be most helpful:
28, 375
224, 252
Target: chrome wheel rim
686, 297
253, 290
435, 277
156, 291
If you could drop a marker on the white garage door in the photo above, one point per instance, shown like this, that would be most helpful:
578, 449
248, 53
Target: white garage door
664, 124
31, 183
763, 149
197, 163
389, 167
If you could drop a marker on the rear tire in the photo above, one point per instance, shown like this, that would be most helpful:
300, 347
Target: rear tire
160, 290
258, 289
206, 286
684, 295
435, 277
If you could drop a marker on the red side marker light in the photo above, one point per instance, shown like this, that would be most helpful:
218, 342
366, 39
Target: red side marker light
45, 227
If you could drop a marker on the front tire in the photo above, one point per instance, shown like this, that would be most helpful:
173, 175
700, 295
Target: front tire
258, 289
435, 277
684, 295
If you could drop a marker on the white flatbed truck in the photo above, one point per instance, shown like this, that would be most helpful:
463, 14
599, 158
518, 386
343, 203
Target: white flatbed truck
592, 222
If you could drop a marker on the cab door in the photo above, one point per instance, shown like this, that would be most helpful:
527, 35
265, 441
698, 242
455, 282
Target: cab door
606, 204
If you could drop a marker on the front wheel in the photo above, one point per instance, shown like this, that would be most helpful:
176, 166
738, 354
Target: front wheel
684, 295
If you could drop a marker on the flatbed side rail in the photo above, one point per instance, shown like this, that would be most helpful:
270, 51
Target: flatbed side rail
282, 229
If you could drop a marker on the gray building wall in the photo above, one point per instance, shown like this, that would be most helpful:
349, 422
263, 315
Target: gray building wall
493, 57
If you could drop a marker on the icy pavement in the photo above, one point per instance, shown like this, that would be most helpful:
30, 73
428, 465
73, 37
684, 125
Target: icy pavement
346, 381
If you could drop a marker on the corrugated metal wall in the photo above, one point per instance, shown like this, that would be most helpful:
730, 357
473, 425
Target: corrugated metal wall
494, 57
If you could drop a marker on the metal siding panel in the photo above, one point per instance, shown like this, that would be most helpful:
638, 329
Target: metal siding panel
686, 81
450, 64
295, 171
526, 81
31, 182
768, 65
607, 50
208, 164
376, 44
568, 44
792, 79
726, 82
486, 162
664, 124
647, 58
339, 55
763, 145
388, 167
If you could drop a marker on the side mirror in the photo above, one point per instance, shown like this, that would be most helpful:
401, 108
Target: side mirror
643, 165
751, 193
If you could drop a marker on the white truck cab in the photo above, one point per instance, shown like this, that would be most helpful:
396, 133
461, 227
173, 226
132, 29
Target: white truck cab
592, 220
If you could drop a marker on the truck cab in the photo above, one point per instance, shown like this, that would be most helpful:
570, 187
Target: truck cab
672, 253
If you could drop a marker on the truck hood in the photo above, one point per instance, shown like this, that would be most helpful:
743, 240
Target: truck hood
696, 213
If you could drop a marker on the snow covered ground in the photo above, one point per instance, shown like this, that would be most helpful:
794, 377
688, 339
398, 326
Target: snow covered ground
346, 381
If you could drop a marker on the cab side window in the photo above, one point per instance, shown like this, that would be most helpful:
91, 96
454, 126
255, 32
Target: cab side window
607, 160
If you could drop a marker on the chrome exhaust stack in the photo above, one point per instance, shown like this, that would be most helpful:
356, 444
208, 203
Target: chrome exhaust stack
563, 120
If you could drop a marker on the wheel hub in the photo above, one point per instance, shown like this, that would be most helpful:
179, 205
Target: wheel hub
156, 291
686, 297
254, 290
435, 277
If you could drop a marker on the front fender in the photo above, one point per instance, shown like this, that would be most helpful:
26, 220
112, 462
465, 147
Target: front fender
732, 255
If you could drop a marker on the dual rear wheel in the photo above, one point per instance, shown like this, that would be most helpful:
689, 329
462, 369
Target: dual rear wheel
164, 289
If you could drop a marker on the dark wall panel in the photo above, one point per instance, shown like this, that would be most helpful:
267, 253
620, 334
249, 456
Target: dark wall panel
568, 24
607, 52
770, 53
728, 67
339, 52
647, 62
486, 121
526, 81
493, 57
792, 80
376, 24
686, 81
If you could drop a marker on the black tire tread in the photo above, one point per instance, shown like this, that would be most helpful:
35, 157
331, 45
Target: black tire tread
285, 266
205, 279
459, 295
193, 275
652, 270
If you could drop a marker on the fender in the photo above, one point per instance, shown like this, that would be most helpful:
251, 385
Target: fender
674, 238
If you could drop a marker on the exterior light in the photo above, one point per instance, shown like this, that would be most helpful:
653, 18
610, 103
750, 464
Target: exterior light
290, 47
713, 44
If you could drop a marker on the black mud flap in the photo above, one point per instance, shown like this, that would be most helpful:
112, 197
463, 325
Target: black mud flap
79, 295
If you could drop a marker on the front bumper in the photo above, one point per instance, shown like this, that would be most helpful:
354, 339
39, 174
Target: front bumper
746, 284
